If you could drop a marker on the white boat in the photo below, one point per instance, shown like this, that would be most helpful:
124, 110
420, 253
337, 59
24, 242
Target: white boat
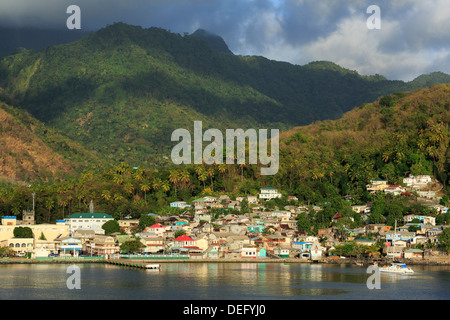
397, 267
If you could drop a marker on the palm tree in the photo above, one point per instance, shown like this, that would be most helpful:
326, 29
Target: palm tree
145, 187
185, 178
165, 186
210, 173
372, 251
175, 178
156, 183
49, 205
106, 195
62, 201
202, 175
128, 188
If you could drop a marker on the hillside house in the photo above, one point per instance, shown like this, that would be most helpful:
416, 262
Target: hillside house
376, 185
394, 190
420, 180
179, 204
269, 193
426, 220
158, 229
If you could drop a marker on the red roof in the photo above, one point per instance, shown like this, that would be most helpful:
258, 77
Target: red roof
337, 216
184, 238
158, 225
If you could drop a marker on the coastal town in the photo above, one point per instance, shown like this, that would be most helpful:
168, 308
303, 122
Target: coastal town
205, 230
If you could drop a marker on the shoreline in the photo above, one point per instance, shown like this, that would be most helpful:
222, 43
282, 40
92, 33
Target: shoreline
347, 261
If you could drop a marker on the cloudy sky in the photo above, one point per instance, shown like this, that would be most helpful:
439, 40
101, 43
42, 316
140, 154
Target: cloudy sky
414, 37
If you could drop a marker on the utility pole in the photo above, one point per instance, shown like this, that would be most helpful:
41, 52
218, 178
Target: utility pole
33, 194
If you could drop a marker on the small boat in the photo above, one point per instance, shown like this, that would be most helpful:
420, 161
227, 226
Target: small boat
397, 267
358, 263
152, 266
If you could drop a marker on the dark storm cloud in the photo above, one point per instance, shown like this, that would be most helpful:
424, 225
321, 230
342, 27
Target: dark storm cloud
413, 38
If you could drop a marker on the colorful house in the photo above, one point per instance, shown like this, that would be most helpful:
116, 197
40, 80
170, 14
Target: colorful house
179, 204
302, 246
157, 228
183, 241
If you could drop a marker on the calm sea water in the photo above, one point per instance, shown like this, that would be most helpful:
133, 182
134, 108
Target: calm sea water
220, 281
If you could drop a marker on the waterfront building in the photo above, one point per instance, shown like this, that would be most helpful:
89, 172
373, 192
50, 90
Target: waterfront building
19, 245
102, 245
248, 252
69, 247
43, 248
88, 221
153, 244
183, 241
48, 231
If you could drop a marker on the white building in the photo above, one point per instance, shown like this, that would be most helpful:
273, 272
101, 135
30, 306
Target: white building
87, 221
248, 252
417, 180
269, 193
395, 190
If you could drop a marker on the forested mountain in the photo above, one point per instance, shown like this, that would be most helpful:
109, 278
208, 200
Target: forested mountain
30, 151
320, 163
121, 91
397, 135
215, 42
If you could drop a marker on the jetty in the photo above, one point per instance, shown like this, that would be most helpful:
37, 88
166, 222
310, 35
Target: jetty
134, 264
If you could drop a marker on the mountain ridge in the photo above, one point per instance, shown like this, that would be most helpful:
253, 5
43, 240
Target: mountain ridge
122, 90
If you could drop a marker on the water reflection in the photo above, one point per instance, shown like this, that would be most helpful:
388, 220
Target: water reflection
196, 281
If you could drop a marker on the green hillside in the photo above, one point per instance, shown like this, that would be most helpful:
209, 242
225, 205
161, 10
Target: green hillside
320, 164
397, 135
122, 90
31, 151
